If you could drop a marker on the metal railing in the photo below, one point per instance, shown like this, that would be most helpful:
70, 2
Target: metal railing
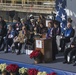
28, 7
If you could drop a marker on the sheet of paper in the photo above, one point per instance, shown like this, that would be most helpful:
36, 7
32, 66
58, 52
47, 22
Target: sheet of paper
38, 44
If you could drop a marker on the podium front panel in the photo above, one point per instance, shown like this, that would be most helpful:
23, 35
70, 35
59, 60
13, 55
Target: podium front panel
45, 45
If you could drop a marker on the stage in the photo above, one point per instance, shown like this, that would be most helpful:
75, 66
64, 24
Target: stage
24, 60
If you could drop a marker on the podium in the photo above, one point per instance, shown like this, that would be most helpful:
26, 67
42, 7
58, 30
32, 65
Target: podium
45, 45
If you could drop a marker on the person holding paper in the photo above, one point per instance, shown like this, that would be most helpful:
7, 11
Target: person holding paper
9, 38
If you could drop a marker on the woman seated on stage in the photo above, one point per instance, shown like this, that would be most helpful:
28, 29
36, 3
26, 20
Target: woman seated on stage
67, 34
20, 39
8, 40
71, 51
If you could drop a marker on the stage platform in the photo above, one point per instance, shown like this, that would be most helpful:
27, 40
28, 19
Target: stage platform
24, 59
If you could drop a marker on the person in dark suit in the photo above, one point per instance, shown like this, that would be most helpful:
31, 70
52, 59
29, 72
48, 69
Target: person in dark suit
49, 31
56, 31
71, 51
3, 31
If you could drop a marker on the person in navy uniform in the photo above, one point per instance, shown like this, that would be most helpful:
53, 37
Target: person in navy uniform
67, 34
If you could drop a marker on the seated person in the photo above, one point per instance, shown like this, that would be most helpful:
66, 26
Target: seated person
9, 38
70, 51
67, 34
20, 39
17, 26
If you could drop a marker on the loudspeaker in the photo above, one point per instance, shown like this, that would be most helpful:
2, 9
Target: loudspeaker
12, 13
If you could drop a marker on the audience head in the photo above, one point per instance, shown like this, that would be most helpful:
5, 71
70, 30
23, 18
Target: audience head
23, 27
22, 19
69, 25
50, 24
41, 25
41, 16
55, 25
32, 20
69, 20
9, 27
39, 19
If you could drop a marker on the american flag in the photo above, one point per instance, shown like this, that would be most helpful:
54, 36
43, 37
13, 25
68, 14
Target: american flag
61, 14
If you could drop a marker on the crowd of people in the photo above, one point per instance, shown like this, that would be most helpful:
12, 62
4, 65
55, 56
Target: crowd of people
14, 36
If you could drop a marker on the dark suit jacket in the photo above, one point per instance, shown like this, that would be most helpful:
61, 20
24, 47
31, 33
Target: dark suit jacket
74, 41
